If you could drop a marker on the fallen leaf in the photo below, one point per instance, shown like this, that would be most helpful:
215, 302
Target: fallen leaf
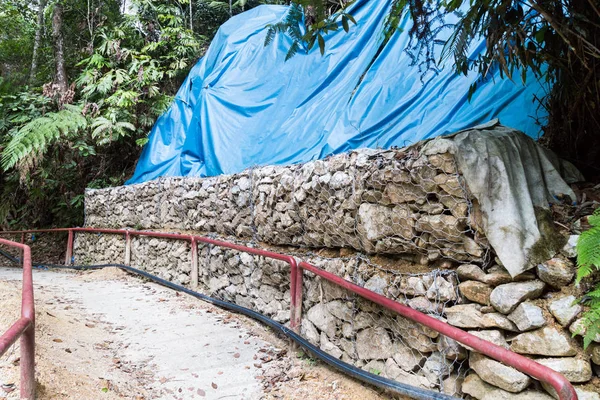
201, 392
214, 385
57, 340
236, 355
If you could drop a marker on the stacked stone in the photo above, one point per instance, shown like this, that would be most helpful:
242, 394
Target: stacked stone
529, 315
361, 333
392, 201
167, 259
211, 205
247, 280
96, 249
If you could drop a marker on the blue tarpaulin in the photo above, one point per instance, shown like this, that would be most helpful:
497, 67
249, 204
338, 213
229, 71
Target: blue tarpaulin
243, 105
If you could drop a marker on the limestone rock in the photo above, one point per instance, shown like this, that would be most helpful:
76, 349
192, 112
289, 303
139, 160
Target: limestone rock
497, 320
505, 298
492, 335
451, 349
594, 350
375, 367
465, 316
477, 388
329, 347
556, 272
498, 374
376, 284
583, 393
564, 309
374, 344
527, 316
408, 359
477, 292
578, 328
437, 367
470, 272
320, 316
547, 341
574, 369
452, 385
569, 250
392, 371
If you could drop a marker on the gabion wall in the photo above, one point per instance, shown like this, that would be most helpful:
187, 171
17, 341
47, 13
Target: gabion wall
386, 202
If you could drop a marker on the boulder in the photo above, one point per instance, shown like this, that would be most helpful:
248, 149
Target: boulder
329, 347
505, 298
578, 328
374, 344
465, 316
377, 284
470, 272
594, 350
497, 320
583, 393
547, 341
564, 309
574, 369
527, 316
570, 248
477, 292
478, 389
392, 371
492, 335
556, 272
498, 374
451, 349
320, 316
408, 359
437, 367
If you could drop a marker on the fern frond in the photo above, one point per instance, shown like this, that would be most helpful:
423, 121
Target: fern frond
38, 134
588, 252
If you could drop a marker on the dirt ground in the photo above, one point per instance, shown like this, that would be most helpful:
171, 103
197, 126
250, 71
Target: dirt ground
107, 335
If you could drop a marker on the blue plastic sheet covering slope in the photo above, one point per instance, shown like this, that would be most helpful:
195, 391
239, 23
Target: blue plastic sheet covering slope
243, 105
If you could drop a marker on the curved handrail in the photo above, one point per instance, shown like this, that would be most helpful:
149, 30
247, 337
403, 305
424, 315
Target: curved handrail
540, 372
24, 327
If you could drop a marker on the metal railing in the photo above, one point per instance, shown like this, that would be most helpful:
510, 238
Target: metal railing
24, 327
563, 387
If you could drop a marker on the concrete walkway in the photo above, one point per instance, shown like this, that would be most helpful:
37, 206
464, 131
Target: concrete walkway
169, 346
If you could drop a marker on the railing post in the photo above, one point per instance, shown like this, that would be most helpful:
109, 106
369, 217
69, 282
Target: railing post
194, 272
296, 296
28, 337
69, 255
28, 363
127, 249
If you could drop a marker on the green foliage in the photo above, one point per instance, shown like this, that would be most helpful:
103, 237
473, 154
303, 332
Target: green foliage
588, 263
34, 137
307, 23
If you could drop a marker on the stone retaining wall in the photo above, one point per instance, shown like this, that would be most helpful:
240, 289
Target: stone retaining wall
351, 209
386, 202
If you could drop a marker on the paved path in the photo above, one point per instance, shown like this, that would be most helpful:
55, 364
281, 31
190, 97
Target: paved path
165, 345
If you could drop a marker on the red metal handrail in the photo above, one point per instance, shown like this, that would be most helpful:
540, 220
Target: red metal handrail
540, 372
295, 308
24, 327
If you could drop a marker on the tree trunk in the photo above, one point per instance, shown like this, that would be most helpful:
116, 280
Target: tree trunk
38, 39
59, 51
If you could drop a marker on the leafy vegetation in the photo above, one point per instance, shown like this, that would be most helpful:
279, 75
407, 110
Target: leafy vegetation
588, 262
81, 84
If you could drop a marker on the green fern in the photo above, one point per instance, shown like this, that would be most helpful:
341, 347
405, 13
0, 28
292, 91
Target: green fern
588, 248
588, 263
37, 135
